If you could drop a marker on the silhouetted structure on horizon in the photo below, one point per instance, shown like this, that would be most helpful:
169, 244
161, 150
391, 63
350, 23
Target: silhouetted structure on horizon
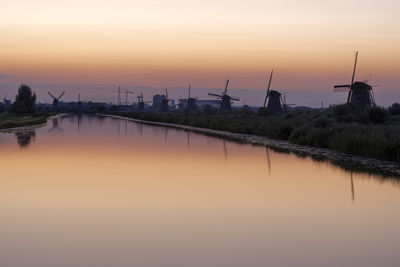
56, 100
360, 94
225, 104
273, 97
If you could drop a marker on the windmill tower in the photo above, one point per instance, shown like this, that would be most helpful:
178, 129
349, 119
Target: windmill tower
56, 100
273, 97
141, 102
190, 101
225, 98
360, 94
164, 102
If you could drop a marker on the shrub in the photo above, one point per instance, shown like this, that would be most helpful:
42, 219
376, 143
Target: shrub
377, 114
209, 110
394, 109
2, 108
341, 110
322, 122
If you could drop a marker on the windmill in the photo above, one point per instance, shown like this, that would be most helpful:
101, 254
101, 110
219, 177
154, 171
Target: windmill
141, 102
190, 101
225, 98
164, 102
360, 94
56, 100
273, 97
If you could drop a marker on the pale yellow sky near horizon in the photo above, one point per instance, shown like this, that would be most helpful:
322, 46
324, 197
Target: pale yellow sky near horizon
164, 43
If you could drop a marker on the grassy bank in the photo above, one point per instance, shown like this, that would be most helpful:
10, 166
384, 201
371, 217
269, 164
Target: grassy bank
374, 133
13, 121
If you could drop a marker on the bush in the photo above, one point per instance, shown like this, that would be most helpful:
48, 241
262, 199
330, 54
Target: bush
2, 108
209, 110
377, 114
342, 110
322, 122
394, 109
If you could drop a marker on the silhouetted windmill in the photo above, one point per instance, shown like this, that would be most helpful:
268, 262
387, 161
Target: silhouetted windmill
164, 102
225, 98
190, 101
273, 97
141, 102
56, 100
360, 94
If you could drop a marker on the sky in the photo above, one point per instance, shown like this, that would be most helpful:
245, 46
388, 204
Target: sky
91, 46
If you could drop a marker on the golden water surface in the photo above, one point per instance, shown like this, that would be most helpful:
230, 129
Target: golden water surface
91, 191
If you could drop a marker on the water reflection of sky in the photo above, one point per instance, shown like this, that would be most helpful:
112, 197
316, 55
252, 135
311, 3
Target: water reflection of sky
107, 192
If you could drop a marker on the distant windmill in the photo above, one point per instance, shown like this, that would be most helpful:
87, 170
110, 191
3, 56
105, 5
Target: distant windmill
56, 100
273, 97
164, 102
141, 102
190, 101
225, 98
360, 94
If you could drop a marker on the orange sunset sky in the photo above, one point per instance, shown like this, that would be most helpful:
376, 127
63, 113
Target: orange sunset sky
63, 44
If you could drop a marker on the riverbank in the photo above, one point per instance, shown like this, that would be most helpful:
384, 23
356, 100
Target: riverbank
8, 121
348, 161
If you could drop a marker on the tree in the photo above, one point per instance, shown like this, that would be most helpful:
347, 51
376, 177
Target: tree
25, 101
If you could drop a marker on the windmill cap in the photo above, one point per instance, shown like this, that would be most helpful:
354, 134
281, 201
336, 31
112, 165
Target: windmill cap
360, 86
274, 93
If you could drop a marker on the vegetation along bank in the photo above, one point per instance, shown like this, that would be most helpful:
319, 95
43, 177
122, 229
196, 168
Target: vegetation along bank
374, 133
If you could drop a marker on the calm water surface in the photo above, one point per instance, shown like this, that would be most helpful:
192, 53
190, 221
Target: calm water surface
96, 191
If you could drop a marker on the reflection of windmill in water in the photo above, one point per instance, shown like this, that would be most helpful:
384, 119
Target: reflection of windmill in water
226, 99
55, 128
268, 160
165, 135
225, 149
352, 187
79, 116
360, 94
140, 125
188, 140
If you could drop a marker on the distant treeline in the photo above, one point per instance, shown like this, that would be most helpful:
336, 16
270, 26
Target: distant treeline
373, 133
